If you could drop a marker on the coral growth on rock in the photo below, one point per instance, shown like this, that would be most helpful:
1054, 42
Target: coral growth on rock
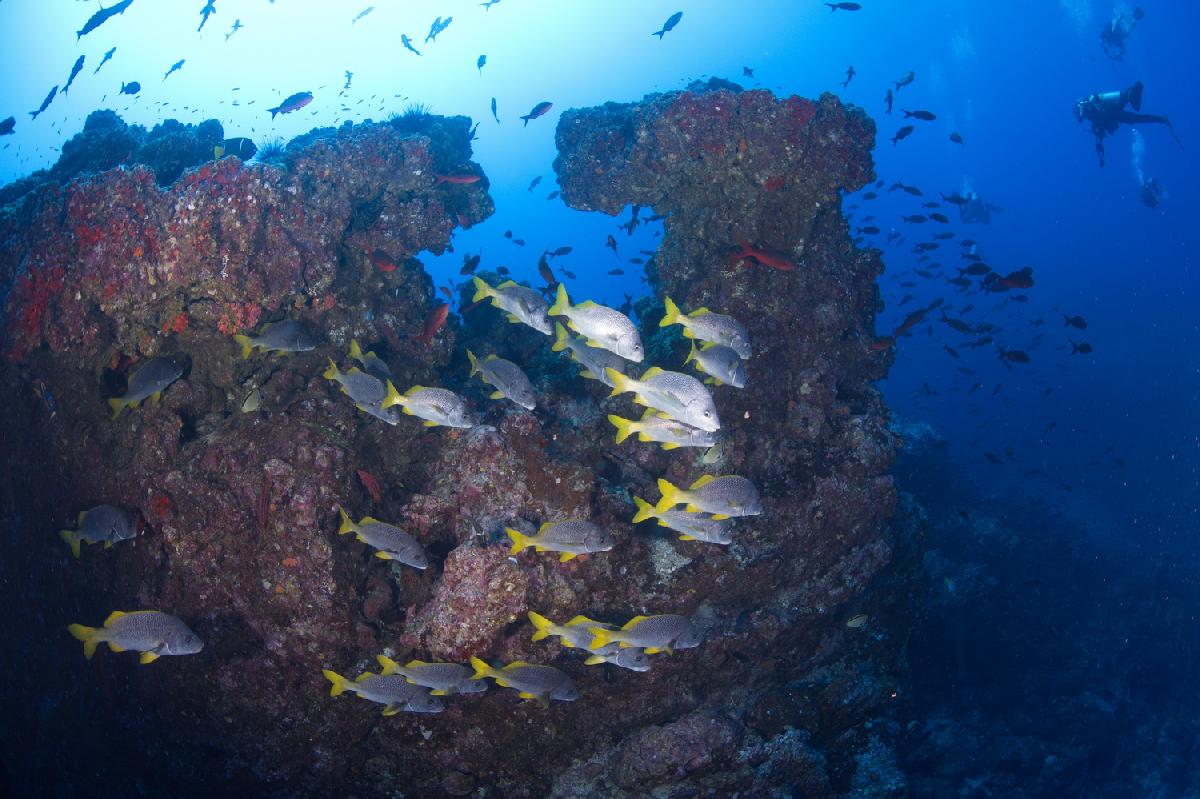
241, 506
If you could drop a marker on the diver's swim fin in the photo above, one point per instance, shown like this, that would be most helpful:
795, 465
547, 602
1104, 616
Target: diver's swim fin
1133, 96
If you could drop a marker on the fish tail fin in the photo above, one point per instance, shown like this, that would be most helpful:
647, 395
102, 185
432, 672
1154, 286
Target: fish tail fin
339, 683
72, 538
519, 540
393, 397
560, 338
117, 404
244, 341
89, 636
474, 362
347, 525
541, 625
600, 637
386, 664
481, 669
561, 302
482, 289
355, 351
332, 372
691, 356
659, 34
644, 510
621, 383
671, 317
273, 111
625, 427
670, 495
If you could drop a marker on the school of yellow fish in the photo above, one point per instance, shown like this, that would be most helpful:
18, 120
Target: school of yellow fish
680, 412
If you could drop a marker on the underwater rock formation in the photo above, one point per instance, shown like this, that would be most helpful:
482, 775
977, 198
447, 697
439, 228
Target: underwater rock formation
241, 507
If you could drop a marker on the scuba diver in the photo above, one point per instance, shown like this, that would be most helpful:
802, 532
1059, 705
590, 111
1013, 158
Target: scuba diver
1106, 112
1117, 32
1152, 192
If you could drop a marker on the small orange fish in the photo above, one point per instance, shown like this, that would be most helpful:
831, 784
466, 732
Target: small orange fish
545, 271
762, 257
435, 322
371, 484
449, 294
382, 261
881, 344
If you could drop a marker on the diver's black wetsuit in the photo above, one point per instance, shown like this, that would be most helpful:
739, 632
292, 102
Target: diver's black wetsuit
1106, 112
1116, 32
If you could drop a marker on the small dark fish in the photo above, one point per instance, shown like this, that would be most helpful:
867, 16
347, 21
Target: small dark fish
569, 274
560, 252
209, 9
747, 72
915, 219
494, 115
924, 116
552, 195
508, 234
7, 125
489, 4
976, 269
519, 242
1081, 348
626, 306
107, 57
470, 264
534, 182
293, 103
502, 270
408, 45
908, 78
931, 204
669, 25
616, 271
240, 146
1015, 356
346, 86
175, 68
537, 111
479, 63
903, 133
133, 87
437, 27
889, 98
611, 243
1075, 321
74, 71
870, 195
545, 271
993, 458
954, 198
850, 73
870, 230
362, 14
944, 236
237, 26
843, 7
45, 103
957, 138
637, 261
953, 353
936, 217
102, 16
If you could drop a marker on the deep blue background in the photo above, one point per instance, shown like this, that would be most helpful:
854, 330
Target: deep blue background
1005, 75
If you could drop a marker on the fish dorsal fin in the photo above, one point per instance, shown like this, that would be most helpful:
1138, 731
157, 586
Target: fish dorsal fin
414, 390
636, 620
368, 520
507, 284
587, 304
651, 372
112, 617
491, 357
354, 370
578, 620
649, 414
412, 664
700, 312
708, 345
544, 527
516, 664
362, 677
703, 481
82, 516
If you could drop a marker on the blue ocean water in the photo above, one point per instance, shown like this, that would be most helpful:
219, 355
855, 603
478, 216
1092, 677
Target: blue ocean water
1109, 440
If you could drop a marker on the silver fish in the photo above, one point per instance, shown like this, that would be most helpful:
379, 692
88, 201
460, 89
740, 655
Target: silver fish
372, 364
690, 526
652, 633
436, 406
668, 432
286, 336
394, 692
634, 659
571, 538
600, 325
594, 360
707, 326
576, 633
542, 683
724, 497
522, 304
150, 632
103, 524
681, 397
508, 379
150, 380
389, 541
722, 365
440, 678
